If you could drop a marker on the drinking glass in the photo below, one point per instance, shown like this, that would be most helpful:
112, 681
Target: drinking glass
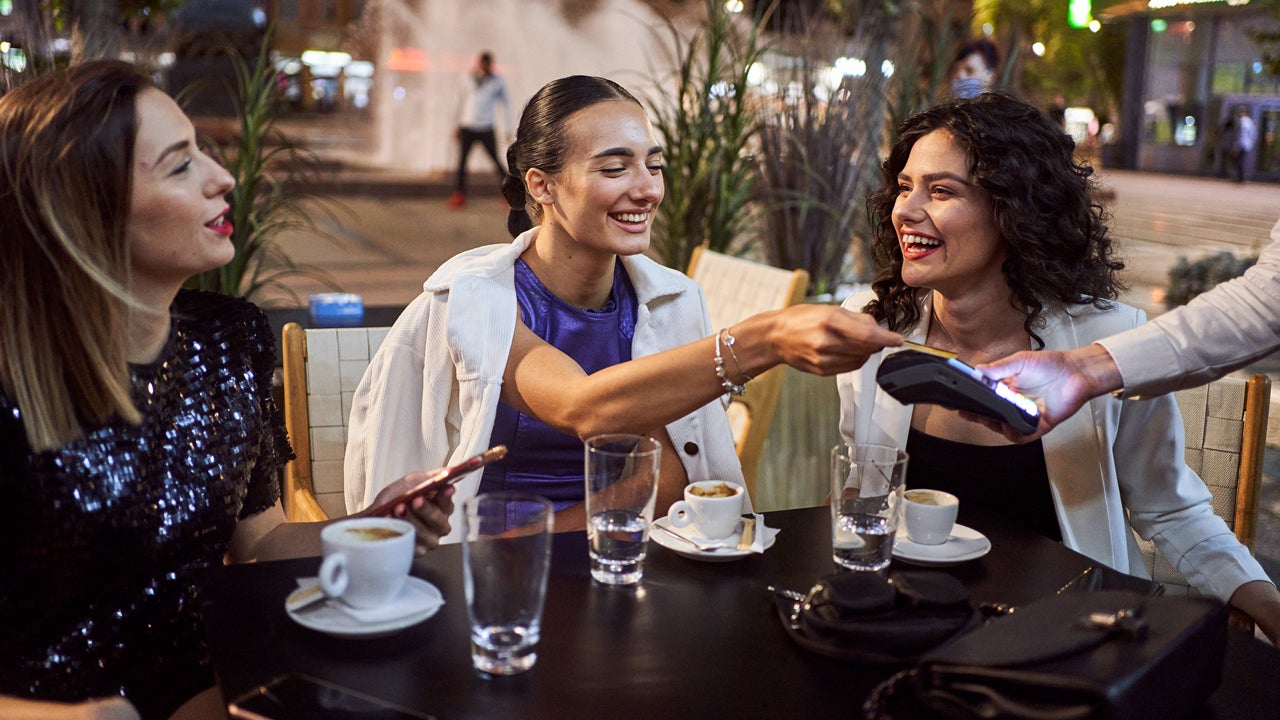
506, 554
866, 497
622, 486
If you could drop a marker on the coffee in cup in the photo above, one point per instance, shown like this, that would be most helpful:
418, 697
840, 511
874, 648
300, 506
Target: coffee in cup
719, 489
711, 508
929, 515
366, 560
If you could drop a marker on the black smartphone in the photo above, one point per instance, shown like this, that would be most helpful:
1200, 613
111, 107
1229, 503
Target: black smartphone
445, 476
302, 697
926, 375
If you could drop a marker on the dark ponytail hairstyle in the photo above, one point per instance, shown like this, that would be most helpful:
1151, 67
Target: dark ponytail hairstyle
542, 141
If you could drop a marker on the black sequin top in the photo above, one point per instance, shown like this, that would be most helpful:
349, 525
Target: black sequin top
102, 541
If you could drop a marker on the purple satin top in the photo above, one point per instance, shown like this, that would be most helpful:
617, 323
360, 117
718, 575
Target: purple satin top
540, 459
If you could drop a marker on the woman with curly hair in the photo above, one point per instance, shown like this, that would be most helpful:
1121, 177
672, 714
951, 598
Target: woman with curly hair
992, 245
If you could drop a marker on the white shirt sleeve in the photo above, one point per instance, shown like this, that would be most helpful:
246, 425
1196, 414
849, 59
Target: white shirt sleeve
1219, 331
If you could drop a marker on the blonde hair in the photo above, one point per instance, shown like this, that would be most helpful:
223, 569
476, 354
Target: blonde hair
66, 156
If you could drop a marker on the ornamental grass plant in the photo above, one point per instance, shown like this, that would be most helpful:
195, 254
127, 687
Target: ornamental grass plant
706, 122
271, 194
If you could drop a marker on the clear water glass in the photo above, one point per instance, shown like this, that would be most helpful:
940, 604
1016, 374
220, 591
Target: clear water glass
867, 483
621, 487
506, 555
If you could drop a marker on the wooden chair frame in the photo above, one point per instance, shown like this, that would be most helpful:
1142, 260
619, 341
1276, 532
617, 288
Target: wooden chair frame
1200, 408
1257, 410
761, 397
299, 489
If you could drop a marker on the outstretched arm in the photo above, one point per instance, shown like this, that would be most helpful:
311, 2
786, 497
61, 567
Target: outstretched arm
113, 708
650, 392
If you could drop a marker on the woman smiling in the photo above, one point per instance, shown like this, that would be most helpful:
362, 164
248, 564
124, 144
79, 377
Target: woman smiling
140, 443
994, 246
570, 331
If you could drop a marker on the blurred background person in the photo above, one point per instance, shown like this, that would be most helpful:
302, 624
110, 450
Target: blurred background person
1244, 136
974, 68
481, 94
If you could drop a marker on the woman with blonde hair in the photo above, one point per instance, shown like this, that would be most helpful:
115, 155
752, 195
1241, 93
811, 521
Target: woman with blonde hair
139, 441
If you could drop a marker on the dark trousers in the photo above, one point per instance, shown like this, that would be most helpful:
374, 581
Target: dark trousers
1238, 160
468, 137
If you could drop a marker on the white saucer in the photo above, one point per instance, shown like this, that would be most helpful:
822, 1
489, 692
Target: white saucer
964, 544
723, 555
421, 600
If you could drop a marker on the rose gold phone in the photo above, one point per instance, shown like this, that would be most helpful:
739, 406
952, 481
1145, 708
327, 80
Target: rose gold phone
438, 480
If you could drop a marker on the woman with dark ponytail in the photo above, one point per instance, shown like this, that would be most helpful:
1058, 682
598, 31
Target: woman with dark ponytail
570, 331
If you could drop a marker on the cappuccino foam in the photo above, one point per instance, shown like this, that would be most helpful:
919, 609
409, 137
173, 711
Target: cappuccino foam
719, 490
372, 534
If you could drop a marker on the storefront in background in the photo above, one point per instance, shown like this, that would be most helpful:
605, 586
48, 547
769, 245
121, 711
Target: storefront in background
1200, 62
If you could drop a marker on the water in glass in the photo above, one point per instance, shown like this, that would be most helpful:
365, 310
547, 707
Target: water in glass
862, 542
617, 544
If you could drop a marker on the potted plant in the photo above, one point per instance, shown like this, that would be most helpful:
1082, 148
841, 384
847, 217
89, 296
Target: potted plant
1189, 279
271, 185
820, 143
707, 125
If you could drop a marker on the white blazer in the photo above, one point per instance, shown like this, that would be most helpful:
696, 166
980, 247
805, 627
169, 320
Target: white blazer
430, 394
1113, 465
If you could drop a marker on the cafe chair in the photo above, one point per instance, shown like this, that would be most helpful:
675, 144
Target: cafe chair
1226, 436
321, 370
736, 289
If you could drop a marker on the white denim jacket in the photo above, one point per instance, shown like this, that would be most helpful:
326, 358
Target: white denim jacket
430, 394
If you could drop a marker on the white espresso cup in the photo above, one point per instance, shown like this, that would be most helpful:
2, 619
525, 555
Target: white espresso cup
711, 508
929, 515
366, 560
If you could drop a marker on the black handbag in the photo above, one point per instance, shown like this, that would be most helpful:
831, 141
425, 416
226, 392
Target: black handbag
1110, 654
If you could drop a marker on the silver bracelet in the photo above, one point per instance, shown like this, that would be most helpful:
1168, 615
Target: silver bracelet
729, 386
729, 341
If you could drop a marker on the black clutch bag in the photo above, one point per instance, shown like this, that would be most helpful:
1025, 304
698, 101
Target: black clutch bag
1109, 654
869, 618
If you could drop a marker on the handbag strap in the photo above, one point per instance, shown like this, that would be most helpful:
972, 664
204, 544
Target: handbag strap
876, 706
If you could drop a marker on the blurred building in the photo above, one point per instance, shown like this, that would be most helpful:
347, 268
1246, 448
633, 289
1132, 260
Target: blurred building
325, 51
1190, 64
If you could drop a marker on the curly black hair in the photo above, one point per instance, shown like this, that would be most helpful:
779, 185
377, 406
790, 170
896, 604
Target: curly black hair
1058, 248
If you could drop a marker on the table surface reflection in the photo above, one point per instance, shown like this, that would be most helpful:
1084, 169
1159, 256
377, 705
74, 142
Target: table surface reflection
695, 639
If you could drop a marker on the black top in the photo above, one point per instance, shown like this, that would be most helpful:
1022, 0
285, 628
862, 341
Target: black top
100, 540
1011, 480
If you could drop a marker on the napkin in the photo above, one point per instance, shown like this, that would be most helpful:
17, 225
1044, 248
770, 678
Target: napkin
410, 600
764, 535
